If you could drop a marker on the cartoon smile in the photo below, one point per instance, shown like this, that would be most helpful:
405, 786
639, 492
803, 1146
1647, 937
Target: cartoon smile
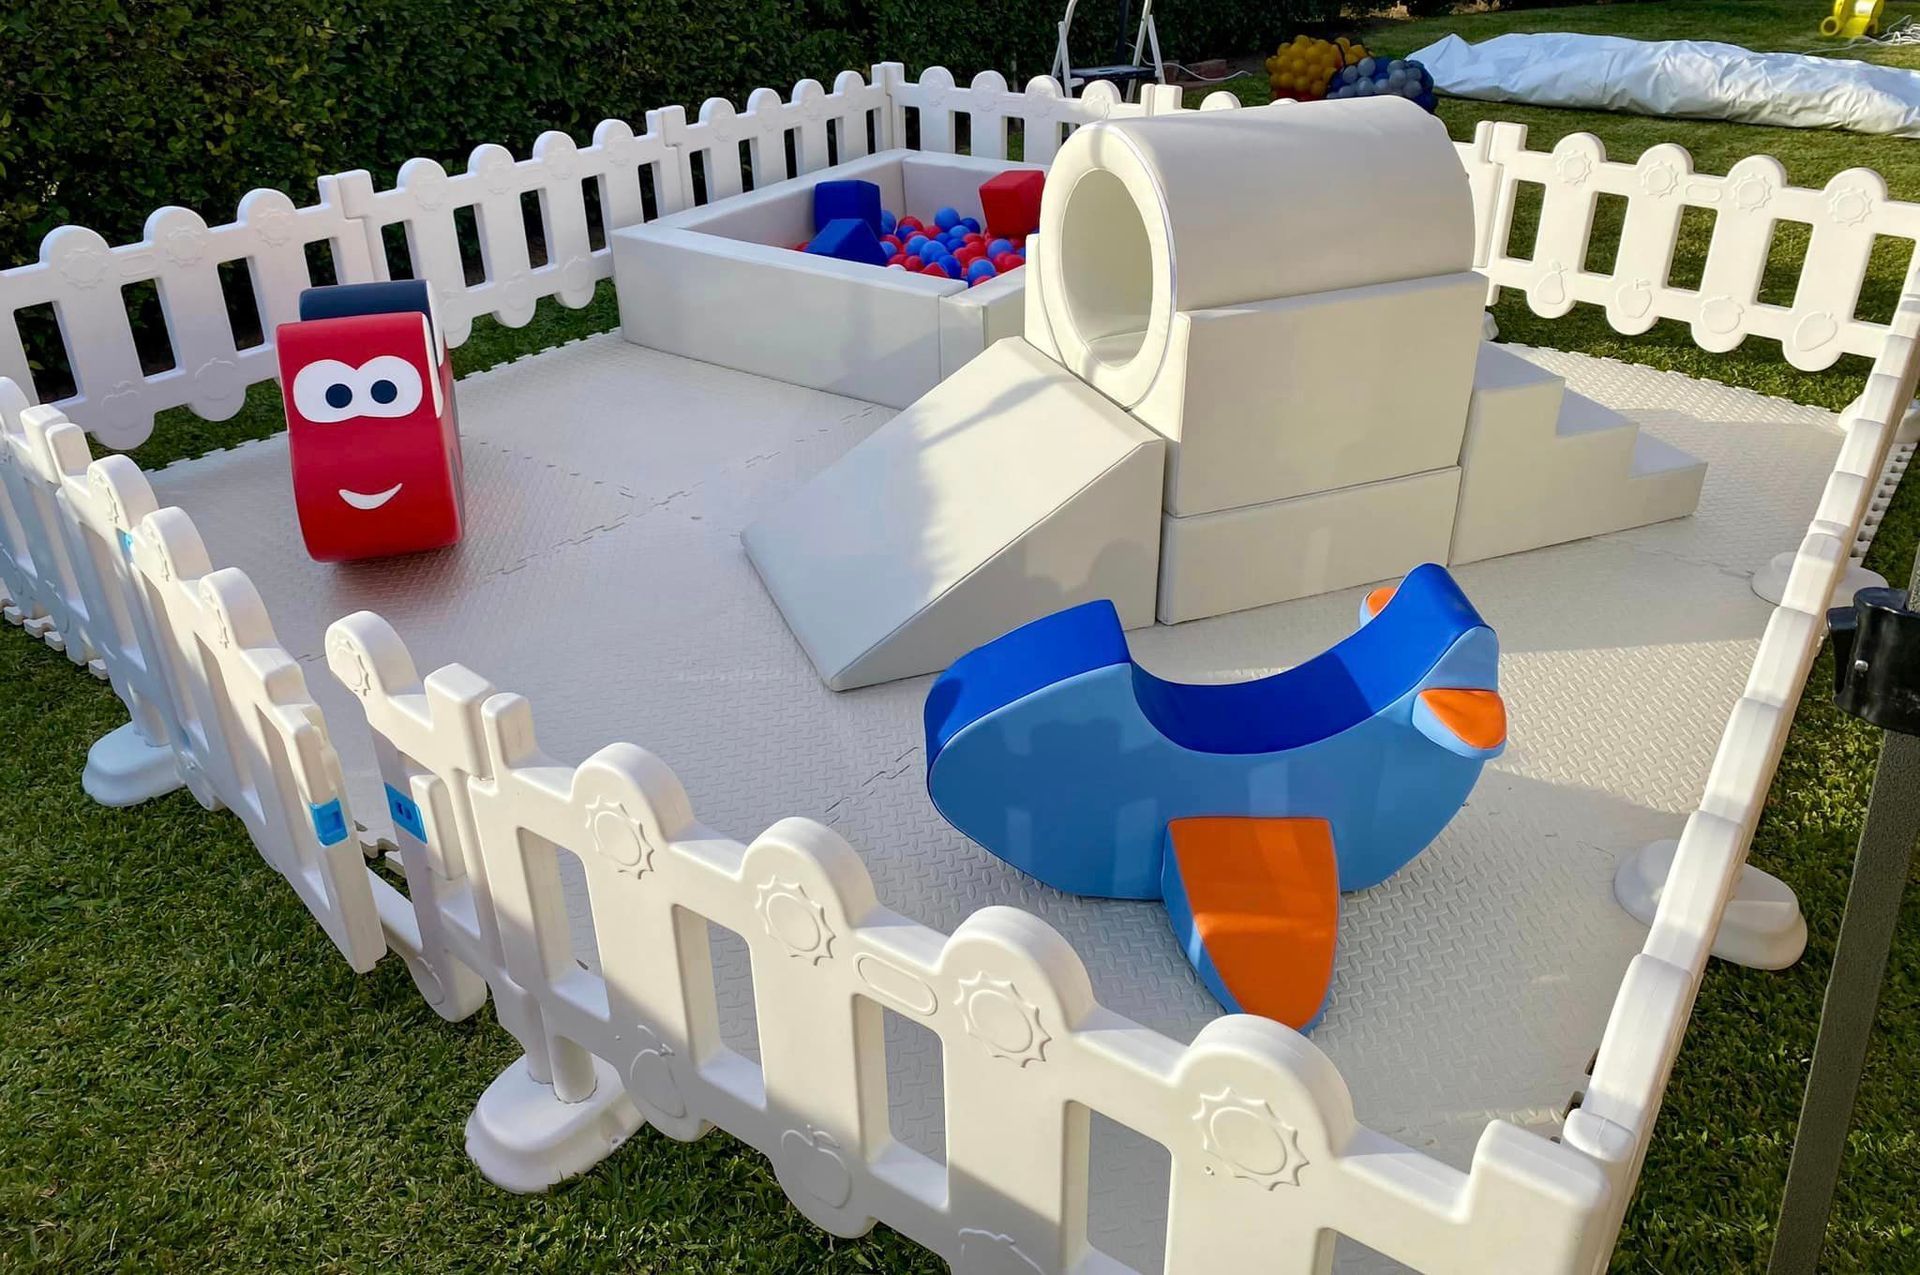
359, 500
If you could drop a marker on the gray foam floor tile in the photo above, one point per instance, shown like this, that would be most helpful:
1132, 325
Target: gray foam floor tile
603, 579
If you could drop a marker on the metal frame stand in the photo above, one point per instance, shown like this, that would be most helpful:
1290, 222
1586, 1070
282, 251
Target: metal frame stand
1877, 678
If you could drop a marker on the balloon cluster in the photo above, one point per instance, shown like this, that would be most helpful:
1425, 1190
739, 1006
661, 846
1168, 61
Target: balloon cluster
1301, 68
1379, 77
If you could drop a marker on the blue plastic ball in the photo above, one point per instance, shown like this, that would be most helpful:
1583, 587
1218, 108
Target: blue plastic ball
916, 244
972, 225
947, 218
999, 246
887, 222
981, 269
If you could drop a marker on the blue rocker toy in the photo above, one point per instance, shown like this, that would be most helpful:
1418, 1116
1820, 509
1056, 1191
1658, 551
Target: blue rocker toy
1247, 807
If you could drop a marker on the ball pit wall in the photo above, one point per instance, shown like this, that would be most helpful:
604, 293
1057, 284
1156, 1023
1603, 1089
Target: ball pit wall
1268, 1158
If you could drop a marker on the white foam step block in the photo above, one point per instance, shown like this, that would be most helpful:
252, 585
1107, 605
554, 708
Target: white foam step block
1273, 399
1009, 491
1542, 465
1285, 549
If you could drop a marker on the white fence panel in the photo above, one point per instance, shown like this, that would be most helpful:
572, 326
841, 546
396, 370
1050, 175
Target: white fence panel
83, 279
425, 201
1614, 1122
1045, 112
101, 502
20, 575
445, 928
252, 737
56, 606
1749, 203
819, 126
1249, 1110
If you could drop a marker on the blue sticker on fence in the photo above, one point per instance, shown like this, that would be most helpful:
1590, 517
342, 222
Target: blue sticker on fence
406, 813
330, 822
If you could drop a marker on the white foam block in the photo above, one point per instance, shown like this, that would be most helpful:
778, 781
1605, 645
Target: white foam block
1280, 398
1258, 554
721, 283
973, 319
1148, 217
1542, 465
1008, 492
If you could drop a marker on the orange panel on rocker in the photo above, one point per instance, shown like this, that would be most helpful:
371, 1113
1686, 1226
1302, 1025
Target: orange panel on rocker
1265, 899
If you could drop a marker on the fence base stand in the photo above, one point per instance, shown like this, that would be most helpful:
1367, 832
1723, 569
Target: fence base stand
1761, 929
1770, 581
523, 1138
123, 769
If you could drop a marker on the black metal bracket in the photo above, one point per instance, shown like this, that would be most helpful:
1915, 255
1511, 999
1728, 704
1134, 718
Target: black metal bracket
1876, 659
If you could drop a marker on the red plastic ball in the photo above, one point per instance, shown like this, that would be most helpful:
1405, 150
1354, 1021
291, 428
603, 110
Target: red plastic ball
935, 268
912, 263
897, 259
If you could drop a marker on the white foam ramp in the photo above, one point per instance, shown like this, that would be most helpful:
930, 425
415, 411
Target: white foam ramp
1542, 465
1009, 491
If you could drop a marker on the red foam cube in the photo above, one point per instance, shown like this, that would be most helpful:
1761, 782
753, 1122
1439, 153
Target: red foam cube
1011, 201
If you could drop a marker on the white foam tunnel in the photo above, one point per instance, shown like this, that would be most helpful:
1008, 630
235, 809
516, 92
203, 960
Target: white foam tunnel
1146, 218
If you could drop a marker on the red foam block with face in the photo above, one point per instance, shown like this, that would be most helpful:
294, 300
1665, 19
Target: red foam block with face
372, 431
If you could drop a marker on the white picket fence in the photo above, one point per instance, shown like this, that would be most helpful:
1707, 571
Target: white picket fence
634, 176
1268, 1160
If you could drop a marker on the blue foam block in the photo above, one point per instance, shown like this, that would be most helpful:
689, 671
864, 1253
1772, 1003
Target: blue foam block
849, 239
857, 199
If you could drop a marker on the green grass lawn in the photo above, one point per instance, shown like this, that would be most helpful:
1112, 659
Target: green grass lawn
191, 1079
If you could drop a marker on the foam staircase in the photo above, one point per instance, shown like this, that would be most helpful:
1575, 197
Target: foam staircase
1542, 465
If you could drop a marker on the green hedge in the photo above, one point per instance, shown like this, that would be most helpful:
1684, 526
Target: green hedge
112, 108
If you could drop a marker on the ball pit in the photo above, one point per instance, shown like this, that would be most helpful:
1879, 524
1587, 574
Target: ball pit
947, 246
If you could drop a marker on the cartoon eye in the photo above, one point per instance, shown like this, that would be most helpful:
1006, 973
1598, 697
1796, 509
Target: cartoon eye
392, 386
323, 391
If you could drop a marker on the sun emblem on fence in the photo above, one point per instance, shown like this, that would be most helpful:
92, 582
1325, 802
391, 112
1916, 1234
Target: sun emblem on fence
1751, 192
796, 920
162, 564
1660, 179
82, 264
274, 225
1007, 1022
216, 615
1244, 1134
619, 836
1849, 205
1573, 168
185, 245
